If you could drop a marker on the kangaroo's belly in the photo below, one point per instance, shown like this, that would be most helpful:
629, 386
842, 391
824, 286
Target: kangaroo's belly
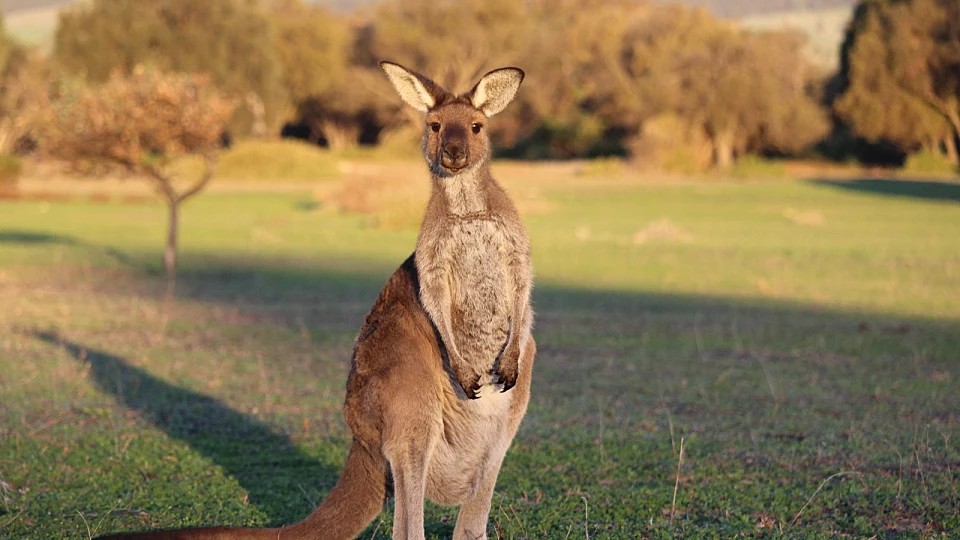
481, 292
475, 438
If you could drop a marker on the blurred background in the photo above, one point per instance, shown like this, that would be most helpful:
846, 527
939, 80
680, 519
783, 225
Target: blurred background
745, 219
676, 87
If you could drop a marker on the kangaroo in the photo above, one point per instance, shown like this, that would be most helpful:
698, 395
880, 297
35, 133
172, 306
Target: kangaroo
441, 369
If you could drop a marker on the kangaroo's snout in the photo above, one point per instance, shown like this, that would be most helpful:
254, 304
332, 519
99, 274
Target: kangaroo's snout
454, 154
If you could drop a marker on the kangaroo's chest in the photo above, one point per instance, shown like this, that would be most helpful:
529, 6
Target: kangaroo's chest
481, 290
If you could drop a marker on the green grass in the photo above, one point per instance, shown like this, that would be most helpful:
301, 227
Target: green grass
783, 333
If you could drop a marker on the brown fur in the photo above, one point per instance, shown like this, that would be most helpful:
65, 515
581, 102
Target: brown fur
440, 377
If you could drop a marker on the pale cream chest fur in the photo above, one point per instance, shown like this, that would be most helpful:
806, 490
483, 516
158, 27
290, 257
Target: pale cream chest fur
481, 291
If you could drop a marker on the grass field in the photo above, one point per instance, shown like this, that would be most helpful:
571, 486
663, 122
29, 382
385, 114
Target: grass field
799, 340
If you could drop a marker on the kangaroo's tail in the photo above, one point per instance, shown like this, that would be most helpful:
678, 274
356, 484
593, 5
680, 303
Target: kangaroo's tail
352, 504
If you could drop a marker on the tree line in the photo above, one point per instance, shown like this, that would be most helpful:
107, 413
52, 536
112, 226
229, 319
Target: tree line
666, 84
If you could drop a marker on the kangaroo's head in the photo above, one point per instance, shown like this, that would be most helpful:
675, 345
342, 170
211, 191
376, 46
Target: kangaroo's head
455, 136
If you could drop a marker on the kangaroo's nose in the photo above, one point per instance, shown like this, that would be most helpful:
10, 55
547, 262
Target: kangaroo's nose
454, 152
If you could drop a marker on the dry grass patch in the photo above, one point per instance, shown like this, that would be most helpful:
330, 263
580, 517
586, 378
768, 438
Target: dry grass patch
395, 194
662, 230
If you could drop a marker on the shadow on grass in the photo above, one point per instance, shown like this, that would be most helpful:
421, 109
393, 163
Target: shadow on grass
17, 236
752, 380
31, 238
916, 189
264, 462
321, 294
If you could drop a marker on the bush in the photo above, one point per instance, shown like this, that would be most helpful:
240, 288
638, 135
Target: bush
10, 167
390, 201
751, 166
929, 162
602, 166
269, 161
671, 144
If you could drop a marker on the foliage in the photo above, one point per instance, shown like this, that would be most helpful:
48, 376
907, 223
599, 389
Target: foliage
327, 91
746, 91
231, 40
23, 91
757, 167
930, 162
900, 82
141, 124
10, 167
268, 161
598, 82
670, 143
454, 42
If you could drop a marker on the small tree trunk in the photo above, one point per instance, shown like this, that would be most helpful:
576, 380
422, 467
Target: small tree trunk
6, 135
954, 117
723, 150
259, 127
340, 135
170, 253
174, 201
950, 145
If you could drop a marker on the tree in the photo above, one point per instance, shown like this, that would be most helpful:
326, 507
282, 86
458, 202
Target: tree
314, 48
745, 91
23, 91
900, 74
140, 124
452, 41
566, 109
231, 40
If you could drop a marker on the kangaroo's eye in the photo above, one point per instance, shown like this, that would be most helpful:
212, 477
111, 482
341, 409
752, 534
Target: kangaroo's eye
435, 126
476, 128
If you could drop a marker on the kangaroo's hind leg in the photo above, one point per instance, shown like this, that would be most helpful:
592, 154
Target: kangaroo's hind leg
411, 434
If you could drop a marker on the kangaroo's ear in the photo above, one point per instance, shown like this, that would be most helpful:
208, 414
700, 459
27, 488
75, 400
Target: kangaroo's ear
496, 90
416, 90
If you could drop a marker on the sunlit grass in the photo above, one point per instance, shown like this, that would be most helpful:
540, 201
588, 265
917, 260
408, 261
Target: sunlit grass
786, 331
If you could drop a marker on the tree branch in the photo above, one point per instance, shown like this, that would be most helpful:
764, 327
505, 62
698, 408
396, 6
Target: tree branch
209, 164
950, 113
160, 180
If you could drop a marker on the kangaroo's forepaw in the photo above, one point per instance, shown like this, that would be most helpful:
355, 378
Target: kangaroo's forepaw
507, 377
471, 389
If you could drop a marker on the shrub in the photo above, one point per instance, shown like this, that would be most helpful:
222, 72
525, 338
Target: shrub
602, 166
270, 161
751, 166
929, 162
671, 144
391, 201
10, 167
